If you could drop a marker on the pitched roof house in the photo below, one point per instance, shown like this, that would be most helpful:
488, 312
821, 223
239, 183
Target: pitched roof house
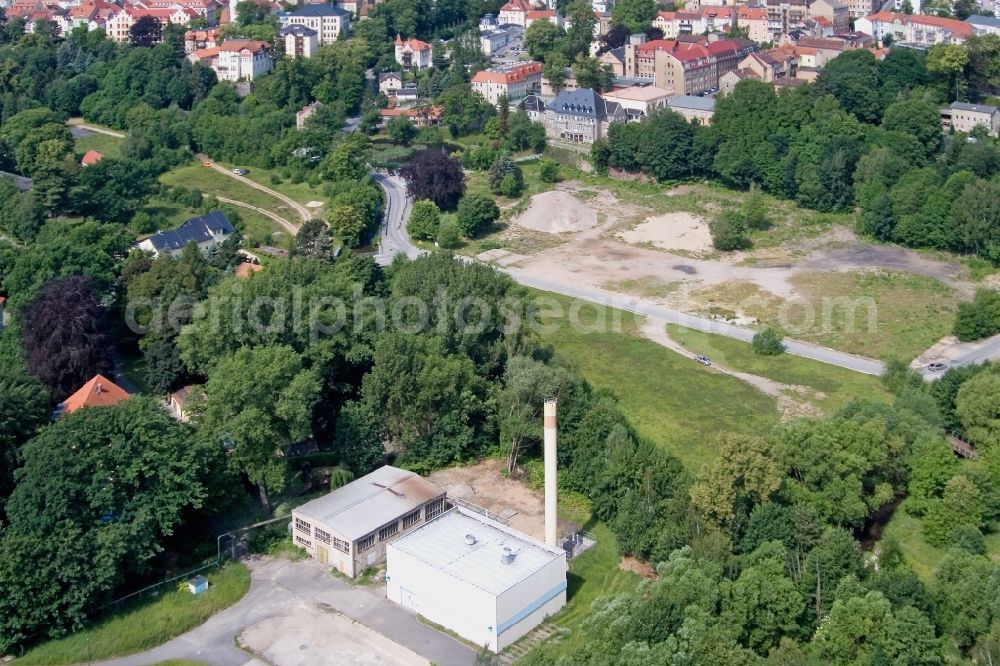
91, 157
205, 231
98, 392
580, 116
413, 53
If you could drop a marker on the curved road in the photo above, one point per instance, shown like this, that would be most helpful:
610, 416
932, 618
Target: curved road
395, 241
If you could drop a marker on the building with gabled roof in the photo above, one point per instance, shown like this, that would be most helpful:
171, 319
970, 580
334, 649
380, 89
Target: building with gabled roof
205, 231
243, 60
515, 12
91, 157
350, 527
985, 25
98, 392
412, 53
684, 67
965, 117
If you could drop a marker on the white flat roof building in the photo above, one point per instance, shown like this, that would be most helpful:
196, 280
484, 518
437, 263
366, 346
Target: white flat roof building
479, 578
350, 527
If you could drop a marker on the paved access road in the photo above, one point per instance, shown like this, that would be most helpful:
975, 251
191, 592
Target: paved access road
393, 237
278, 586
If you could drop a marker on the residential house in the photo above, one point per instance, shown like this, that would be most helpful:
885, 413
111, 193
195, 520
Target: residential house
349, 528
328, 21
407, 95
549, 15
201, 39
243, 60
693, 108
389, 82
420, 116
493, 36
712, 18
861, 8
300, 41
305, 113
580, 116
98, 392
964, 117
91, 157
984, 25
783, 16
638, 101
515, 12
206, 56
206, 9
206, 232
514, 80
413, 53
180, 401
119, 25
615, 59
914, 29
834, 11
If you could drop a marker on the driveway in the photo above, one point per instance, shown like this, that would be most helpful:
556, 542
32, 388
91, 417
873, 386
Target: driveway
277, 589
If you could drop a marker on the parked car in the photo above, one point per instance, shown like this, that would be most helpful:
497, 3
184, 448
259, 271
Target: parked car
240, 172
935, 367
704, 360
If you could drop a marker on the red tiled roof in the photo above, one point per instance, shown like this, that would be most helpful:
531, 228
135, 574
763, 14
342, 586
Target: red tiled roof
516, 6
536, 14
98, 392
91, 157
252, 45
960, 28
507, 76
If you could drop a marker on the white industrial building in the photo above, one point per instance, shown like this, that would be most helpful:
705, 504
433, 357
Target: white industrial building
350, 528
479, 578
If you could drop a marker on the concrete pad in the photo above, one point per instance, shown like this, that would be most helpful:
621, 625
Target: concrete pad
313, 635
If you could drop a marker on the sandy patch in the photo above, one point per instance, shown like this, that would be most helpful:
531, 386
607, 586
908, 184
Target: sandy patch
314, 204
557, 212
629, 563
314, 636
510, 500
673, 231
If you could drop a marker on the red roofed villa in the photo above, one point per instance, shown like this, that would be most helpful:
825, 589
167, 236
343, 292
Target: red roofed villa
413, 53
98, 392
513, 80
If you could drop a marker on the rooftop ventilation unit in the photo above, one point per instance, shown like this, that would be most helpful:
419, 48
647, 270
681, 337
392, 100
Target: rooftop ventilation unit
507, 555
470, 539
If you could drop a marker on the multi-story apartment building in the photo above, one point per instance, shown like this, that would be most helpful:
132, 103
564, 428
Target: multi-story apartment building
514, 80
242, 60
685, 67
300, 41
914, 28
328, 21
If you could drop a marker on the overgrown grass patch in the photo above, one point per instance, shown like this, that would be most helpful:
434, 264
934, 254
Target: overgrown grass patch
107, 145
837, 385
146, 624
671, 400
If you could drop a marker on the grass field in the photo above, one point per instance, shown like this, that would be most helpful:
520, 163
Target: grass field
257, 227
109, 146
838, 385
301, 192
145, 625
672, 401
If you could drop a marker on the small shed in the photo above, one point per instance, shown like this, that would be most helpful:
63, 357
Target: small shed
198, 584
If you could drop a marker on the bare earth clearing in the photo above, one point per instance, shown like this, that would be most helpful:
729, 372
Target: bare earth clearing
511, 500
595, 240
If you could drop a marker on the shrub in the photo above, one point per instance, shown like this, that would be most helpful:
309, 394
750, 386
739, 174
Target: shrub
505, 176
729, 232
424, 220
449, 236
980, 317
548, 171
767, 342
476, 213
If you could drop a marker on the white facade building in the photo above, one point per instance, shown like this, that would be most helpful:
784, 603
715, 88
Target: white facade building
243, 60
479, 578
300, 41
329, 21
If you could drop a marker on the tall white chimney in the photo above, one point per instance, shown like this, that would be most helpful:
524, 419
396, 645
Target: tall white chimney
551, 492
